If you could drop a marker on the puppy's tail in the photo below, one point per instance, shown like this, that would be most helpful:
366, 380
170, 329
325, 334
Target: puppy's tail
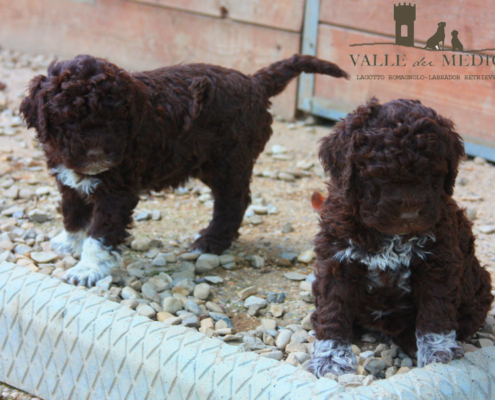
278, 75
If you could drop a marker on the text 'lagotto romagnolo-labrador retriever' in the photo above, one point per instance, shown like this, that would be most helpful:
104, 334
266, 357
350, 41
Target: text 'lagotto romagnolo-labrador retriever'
109, 134
395, 252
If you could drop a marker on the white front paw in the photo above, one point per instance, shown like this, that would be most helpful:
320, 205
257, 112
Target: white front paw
332, 356
68, 243
97, 261
437, 347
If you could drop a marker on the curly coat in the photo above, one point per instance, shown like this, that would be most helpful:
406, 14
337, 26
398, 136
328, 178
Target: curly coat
395, 253
109, 134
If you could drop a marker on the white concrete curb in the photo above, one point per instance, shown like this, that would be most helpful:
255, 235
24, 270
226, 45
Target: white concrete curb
60, 342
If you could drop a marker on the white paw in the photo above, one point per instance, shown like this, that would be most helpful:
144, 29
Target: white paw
97, 261
68, 243
332, 356
437, 347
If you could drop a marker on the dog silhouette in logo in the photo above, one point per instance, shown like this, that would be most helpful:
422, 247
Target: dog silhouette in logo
439, 36
456, 43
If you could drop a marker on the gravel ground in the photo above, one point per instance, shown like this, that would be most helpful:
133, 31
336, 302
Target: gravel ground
258, 293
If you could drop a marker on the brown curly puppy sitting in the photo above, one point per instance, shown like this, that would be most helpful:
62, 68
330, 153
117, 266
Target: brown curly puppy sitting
109, 134
395, 253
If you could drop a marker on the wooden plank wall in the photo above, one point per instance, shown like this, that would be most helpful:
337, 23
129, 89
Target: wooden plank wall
471, 104
142, 36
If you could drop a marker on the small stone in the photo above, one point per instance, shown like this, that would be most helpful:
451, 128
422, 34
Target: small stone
11, 193
172, 321
253, 343
156, 215
221, 324
273, 297
285, 176
162, 316
207, 323
364, 355
487, 229
484, 343
302, 356
381, 347
391, 371
368, 337
392, 353
331, 376
143, 216
300, 336
276, 355
407, 362
255, 301
306, 256
223, 317
374, 365
171, 305
26, 194
479, 161
289, 255
44, 256
148, 291
105, 283
43, 191
306, 323
22, 249
403, 370
277, 310
471, 213
295, 276
255, 220
129, 293
213, 279
351, 380
468, 348
202, 291
189, 256
283, 338
207, 262
268, 323
261, 210
356, 350
292, 359
249, 291
257, 261
131, 303
141, 244
193, 307
226, 259
307, 297
7, 245
293, 347
146, 311
159, 261
159, 284
213, 307
306, 286
287, 228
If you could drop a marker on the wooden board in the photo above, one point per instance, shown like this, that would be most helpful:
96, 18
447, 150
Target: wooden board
473, 19
470, 104
143, 37
281, 14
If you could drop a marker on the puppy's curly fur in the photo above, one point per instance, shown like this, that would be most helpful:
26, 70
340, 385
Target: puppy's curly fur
109, 134
395, 253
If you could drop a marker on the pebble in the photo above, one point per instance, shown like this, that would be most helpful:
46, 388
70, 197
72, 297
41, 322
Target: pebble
351, 380
276, 355
301, 356
156, 215
223, 317
268, 323
487, 229
300, 336
11, 193
192, 321
131, 303
143, 216
171, 305
213, 307
257, 261
479, 161
146, 311
261, 210
391, 371
253, 343
162, 316
172, 321
287, 228
189, 256
213, 279
292, 359
104, 283
306, 323
306, 256
374, 365
207, 262
202, 291
407, 362
295, 276
22, 249
130, 293
221, 324
207, 323
43, 191
368, 337
273, 297
249, 291
484, 342
356, 350
403, 370
307, 297
44, 256
159, 261
283, 338
193, 307
255, 301
293, 347
255, 220
141, 244
285, 176
277, 310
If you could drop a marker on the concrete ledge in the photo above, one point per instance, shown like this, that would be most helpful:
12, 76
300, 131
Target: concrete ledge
60, 342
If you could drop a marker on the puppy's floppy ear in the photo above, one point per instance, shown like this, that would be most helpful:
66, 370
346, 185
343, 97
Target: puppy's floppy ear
33, 107
336, 149
455, 152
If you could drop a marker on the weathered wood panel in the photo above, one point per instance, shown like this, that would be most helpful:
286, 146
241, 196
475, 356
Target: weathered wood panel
142, 37
474, 20
470, 103
282, 14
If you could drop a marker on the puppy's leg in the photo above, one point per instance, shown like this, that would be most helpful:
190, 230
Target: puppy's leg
436, 321
76, 211
232, 197
111, 216
332, 322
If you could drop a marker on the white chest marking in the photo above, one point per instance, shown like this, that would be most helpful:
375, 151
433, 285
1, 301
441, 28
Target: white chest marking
394, 257
70, 178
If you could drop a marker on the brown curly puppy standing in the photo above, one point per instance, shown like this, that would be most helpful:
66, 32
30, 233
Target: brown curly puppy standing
109, 134
395, 253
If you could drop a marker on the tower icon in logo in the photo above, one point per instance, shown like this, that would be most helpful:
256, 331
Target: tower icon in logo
404, 16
